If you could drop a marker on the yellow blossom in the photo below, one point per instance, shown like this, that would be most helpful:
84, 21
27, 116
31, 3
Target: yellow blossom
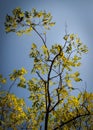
3, 81
72, 36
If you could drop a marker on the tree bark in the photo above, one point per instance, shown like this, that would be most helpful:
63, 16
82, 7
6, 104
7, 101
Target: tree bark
46, 121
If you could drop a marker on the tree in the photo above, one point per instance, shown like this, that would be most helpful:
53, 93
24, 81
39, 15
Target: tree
53, 107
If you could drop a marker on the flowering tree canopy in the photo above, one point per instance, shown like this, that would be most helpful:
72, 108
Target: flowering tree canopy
53, 107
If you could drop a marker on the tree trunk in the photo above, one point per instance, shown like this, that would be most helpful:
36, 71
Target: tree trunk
46, 120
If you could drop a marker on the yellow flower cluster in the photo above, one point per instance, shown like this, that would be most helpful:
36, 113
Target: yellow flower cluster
13, 113
2, 80
18, 73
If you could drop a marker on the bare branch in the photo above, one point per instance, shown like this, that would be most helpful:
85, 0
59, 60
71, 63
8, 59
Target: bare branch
74, 118
55, 105
39, 35
56, 76
40, 76
11, 86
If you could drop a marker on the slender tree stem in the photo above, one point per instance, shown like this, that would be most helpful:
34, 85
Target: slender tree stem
11, 86
39, 36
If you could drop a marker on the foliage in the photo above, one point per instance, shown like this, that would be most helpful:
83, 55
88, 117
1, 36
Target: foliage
2, 80
53, 106
12, 112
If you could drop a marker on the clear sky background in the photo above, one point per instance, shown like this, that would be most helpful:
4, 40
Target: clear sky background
14, 50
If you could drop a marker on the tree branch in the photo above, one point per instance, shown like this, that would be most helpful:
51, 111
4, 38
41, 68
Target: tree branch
55, 76
55, 105
40, 76
64, 123
39, 35
11, 86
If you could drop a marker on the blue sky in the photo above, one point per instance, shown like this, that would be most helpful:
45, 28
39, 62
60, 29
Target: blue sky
14, 50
